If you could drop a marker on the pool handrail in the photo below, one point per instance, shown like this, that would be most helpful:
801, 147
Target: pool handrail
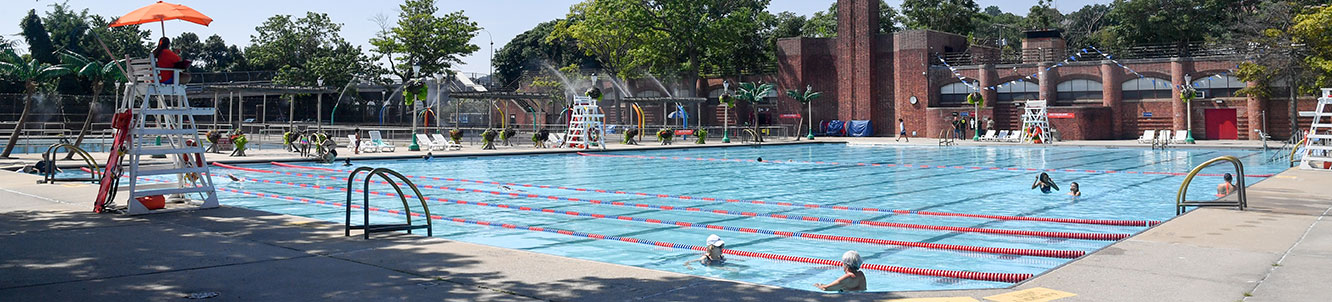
1243, 202
407, 210
49, 174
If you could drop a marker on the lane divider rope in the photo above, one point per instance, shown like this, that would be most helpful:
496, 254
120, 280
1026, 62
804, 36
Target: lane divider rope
1066, 235
783, 204
903, 165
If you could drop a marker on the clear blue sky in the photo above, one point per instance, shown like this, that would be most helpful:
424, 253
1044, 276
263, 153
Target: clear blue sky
235, 20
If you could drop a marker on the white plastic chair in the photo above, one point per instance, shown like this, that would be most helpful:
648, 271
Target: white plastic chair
448, 144
424, 141
365, 146
1147, 136
379, 142
1003, 135
1181, 137
990, 135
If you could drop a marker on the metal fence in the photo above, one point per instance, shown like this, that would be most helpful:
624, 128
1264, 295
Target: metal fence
1148, 51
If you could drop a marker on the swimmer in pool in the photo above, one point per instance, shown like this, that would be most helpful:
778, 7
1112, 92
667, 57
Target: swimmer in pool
1073, 190
233, 177
852, 281
1225, 188
713, 256
347, 163
428, 156
760, 159
1045, 183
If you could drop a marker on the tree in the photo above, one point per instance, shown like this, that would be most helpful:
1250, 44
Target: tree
188, 46
754, 93
601, 29
1043, 17
1276, 52
120, 41
100, 75
824, 24
1314, 28
954, 16
998, 28
530, 49
33, 74
806, 97
422, 39
692, 28
1085, 27
40, 46
217, 56
1176, 22
302, 50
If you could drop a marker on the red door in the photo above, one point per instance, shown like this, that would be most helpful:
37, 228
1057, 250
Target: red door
1221, 124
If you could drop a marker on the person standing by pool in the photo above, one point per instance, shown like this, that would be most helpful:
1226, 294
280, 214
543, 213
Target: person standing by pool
713, 253
989, 124
1045, 183
356, 144
901, 131
852, 281
957, 128
1225, 188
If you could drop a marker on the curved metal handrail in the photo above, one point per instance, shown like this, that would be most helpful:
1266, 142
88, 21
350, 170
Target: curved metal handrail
945, 138
1181, 204
384, 174
1296, 149
51, 156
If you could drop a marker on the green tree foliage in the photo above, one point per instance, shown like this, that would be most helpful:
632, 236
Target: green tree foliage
39, 40
1178, 22
120, 41
527, 51
1086, 26
218, 56
1313, 28
302, 50
101, 75
602, 29
1042, 16
954, 16
188, 47
824, 24
695, 28
66, 28
421, 38
33, 74
997, 28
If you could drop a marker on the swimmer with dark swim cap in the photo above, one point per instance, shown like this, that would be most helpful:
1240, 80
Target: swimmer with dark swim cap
347, 163
233, 177
1045, 183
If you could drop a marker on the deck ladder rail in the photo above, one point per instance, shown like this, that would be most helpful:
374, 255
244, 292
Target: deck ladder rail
392, 178
49, 176
1181, 204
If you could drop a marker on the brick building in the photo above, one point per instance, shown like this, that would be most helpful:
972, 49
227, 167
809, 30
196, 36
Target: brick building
883, 77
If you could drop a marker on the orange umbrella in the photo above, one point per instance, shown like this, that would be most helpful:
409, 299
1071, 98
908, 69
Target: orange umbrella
160, 12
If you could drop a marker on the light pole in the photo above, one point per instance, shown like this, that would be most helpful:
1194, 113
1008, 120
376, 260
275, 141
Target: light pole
319, 105
491, 77
726, 113
1189, 94
416, 69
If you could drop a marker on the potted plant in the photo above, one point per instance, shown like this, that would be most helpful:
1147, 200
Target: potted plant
488, 139
665, 136
456, 135
700, 136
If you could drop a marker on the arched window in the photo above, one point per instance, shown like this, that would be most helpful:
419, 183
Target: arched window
1018, 91
1218, 86
954, 94
1078, 90
1146, 88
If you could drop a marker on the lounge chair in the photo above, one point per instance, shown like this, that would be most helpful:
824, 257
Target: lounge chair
1147, 136
1162, 137
379, 142
1013, 137
1181, 137
1003, 134
989, 135
448, 144
424, 141
364, 145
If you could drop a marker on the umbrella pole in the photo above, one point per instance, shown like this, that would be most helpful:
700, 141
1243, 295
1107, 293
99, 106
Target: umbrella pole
163, 23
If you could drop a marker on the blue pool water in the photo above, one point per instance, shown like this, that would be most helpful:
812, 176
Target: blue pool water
795, 179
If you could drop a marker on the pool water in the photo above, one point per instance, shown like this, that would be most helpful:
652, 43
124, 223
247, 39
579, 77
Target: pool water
817, 180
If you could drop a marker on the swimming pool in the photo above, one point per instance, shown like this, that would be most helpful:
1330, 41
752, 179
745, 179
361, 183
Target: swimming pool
800, 204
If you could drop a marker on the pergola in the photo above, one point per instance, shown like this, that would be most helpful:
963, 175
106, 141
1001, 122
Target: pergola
528, 101
233, 91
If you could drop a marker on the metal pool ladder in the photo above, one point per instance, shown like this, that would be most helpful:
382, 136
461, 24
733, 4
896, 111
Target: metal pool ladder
1242, 202
385, 174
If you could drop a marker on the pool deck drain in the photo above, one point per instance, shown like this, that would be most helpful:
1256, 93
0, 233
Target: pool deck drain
55, 249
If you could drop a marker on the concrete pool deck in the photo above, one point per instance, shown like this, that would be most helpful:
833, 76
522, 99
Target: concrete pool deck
54, 248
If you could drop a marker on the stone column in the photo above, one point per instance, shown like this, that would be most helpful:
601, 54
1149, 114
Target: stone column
1112, 95
1048, 78
1179, 115
1255, 108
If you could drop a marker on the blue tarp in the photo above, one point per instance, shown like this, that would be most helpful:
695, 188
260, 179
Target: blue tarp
835, 128
859, 128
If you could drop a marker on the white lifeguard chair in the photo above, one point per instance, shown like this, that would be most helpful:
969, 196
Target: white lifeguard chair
586, 128
1036, 114
1317, 153
162, 111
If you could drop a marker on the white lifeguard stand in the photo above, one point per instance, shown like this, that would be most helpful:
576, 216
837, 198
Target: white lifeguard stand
162, 111
586, 127
1318, 143
1035, 114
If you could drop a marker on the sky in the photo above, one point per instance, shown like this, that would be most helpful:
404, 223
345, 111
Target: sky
235, 20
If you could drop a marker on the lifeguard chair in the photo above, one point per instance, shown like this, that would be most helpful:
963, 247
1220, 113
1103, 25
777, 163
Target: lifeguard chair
1036, 122
586, 128
1318, 143
156, 118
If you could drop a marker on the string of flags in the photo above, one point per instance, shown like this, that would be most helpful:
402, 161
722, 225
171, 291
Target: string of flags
1087, 51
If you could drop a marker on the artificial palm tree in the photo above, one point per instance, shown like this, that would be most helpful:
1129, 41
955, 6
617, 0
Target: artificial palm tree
805, 98
99, 74
33, 74
754, 93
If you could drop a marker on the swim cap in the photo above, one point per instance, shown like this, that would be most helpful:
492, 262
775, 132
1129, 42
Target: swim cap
715, 240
